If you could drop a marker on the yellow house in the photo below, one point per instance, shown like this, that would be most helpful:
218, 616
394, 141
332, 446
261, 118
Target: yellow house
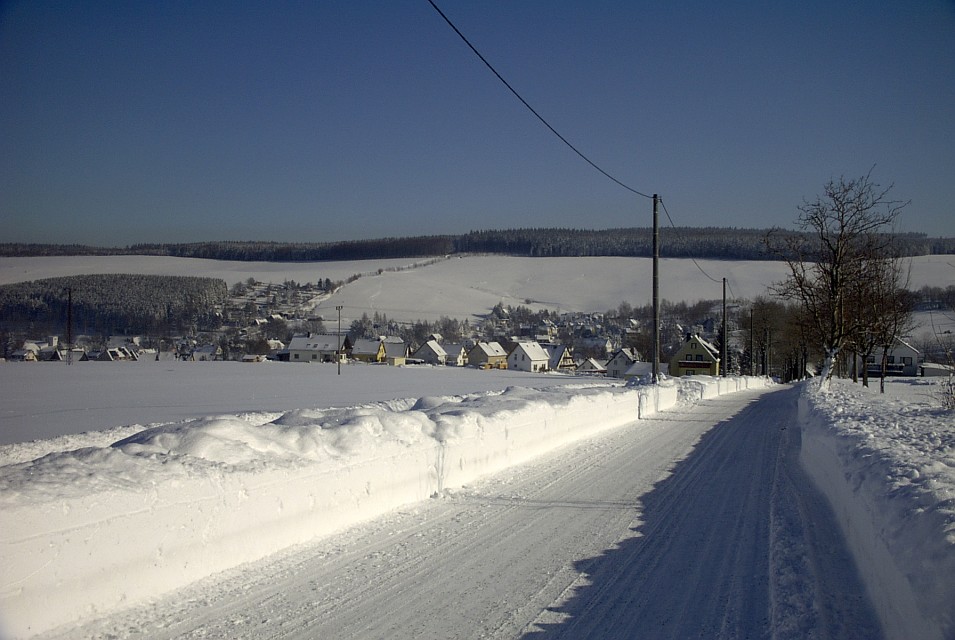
696, 357
368, 350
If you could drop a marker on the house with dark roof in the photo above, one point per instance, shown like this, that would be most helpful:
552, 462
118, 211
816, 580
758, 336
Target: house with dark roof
365, 350
318, 348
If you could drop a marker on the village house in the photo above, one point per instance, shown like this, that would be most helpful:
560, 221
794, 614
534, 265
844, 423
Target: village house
38, 351
560, 357
696, 357
902, 360
396, 351
110, 354
457, 354
591, 367
318, 348
528, 356
371, 351
29, 352
487, 355
431, 353
622, 360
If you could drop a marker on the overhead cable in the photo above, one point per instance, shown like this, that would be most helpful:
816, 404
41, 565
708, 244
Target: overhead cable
663, 204
529, 107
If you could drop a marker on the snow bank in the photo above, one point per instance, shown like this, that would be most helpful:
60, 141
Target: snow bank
98, 528
887, 466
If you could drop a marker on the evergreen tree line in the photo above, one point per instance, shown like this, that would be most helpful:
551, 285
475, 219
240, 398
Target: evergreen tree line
680, 242
114, 304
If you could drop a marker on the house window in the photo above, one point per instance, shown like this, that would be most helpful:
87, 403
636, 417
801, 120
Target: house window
314, 356
296, 356
906, 360
891, 360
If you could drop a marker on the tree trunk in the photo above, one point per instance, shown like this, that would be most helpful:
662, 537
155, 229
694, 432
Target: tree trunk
885, 366
825, 377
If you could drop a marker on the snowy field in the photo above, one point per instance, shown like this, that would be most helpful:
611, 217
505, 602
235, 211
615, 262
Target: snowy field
40, 402
469, 287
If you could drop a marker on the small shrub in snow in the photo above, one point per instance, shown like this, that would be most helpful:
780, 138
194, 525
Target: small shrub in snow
946, 394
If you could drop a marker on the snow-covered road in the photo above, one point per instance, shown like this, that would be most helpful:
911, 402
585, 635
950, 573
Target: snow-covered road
695, 523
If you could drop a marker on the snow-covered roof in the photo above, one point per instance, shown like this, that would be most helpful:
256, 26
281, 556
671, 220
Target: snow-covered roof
629, 354
434, 347
454, 348
318, 342
533, 350
366, 346
395, 349
706, 345
591, 365
491, 348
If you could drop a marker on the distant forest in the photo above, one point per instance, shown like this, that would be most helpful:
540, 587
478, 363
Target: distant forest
680, 242
105, 304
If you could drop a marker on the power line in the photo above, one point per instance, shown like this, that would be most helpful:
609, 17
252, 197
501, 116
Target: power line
691, 257
529, 107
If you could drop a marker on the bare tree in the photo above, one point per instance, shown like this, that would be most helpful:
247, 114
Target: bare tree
846, 225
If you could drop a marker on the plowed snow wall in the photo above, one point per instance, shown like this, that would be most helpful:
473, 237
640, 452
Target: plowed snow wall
155, 521
904, 562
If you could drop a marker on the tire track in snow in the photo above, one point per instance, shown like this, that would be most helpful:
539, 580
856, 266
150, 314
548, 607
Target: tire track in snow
702, 560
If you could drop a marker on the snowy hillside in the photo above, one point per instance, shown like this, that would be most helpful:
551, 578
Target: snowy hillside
469, 287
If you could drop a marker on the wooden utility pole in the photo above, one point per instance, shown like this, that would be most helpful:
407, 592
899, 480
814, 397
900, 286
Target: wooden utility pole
69, 326
656, 290
338, 353
724, 360
752, 344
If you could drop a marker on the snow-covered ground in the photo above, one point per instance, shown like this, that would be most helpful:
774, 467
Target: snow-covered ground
122, 519
103, 521
887, 465
40, 401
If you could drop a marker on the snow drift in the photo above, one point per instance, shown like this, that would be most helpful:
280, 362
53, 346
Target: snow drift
98, 528
887, 468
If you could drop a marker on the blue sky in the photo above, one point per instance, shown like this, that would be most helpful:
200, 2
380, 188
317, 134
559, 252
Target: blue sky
129, 122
